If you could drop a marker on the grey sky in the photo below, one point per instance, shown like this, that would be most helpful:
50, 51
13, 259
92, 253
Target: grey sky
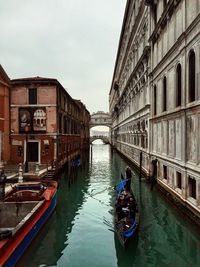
74, 41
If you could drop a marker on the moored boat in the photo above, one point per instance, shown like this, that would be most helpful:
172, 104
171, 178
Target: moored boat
25, 209
126, 214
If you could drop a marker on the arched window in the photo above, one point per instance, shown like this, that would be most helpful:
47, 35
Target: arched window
192, 72
164, 94
178, 85
155, 99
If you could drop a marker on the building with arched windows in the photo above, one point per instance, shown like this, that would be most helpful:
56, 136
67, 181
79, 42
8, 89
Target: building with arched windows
155, 93
175, 128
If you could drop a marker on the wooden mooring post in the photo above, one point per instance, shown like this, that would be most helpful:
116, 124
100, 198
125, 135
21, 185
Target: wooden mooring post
91, 153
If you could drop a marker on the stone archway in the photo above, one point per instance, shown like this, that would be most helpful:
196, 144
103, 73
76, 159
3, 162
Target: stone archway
105, 139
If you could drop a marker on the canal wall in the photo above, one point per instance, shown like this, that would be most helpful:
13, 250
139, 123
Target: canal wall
191, 212
133, 163
182, 205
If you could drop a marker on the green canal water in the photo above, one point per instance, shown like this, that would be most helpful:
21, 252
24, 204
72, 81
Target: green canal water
80, 232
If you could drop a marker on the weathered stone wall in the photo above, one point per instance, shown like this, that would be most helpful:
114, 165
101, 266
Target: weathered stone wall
129, 95
148, 102
175, 133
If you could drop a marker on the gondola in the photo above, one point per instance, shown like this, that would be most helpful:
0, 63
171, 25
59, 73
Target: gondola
126, 214
23, 212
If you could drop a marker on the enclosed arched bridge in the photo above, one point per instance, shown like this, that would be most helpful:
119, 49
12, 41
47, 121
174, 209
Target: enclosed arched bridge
100, 118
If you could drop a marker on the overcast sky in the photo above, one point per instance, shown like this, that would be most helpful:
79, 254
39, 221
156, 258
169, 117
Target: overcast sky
74, 41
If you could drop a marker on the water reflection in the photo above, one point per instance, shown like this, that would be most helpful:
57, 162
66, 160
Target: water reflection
80, 232
48, 247
165, 238
125, 257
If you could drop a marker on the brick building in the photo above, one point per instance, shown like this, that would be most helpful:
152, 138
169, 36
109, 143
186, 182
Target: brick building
4, 116
46, 123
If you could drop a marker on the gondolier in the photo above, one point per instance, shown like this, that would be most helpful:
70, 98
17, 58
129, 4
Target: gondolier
126, 214
128, 178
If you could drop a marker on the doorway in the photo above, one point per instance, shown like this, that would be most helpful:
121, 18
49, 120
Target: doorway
33, 151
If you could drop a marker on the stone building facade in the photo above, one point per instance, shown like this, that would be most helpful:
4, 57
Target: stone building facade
129, 96
175, 97
172, 86
4, 116
47, 125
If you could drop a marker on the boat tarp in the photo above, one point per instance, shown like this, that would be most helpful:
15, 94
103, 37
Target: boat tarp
121, 186
131, 230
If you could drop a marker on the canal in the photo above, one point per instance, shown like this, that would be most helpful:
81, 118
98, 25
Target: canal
80, 232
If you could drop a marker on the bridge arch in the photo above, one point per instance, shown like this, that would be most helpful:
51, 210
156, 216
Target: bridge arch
105, 139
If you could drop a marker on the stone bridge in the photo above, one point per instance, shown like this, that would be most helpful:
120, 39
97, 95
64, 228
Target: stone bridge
104, 138
100, 118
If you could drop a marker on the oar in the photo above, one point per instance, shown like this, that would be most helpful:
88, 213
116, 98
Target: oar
109, 224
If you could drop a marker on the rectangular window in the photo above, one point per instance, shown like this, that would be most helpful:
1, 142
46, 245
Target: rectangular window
135, 140
2, 100
164, 94
192, 187
65, 125
65, 104
142, 141
179, 180
32, 94
65, 148
155, 100
164, 172
60, 124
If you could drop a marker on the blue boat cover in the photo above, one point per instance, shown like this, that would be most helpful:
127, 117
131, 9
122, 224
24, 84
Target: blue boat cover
131, 230
121, 186
76, 162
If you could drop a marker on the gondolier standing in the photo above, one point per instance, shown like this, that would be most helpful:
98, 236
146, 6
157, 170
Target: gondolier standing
128, 178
